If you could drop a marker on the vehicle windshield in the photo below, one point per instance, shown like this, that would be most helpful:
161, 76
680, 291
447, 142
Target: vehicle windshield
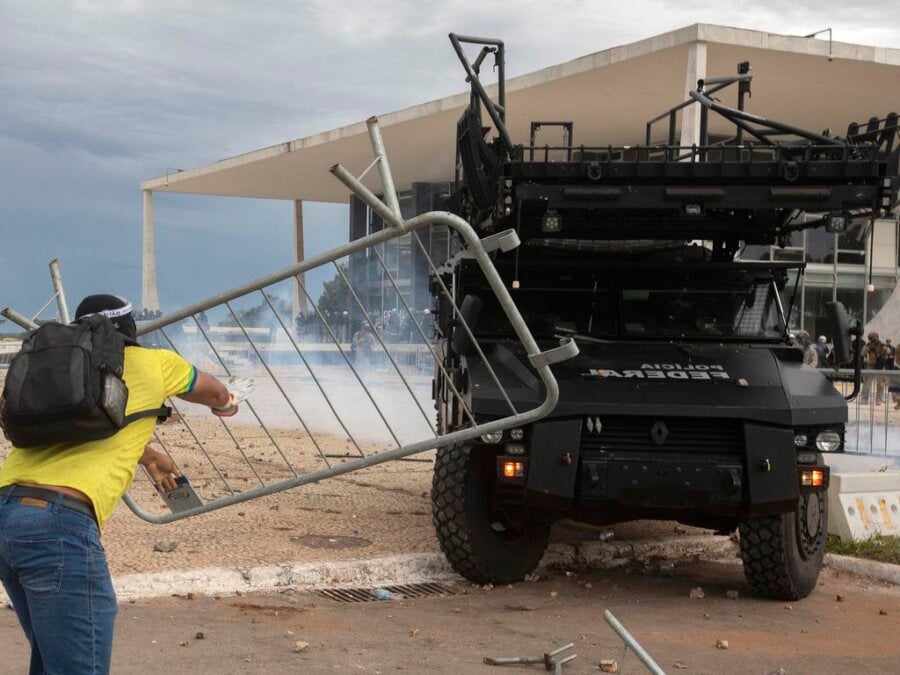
727, 313
660, 305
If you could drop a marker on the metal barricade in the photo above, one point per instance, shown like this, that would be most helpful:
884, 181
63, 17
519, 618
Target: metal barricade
873, 417
344, 404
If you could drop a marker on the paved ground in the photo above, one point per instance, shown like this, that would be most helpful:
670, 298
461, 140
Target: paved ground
384, 510
256, 634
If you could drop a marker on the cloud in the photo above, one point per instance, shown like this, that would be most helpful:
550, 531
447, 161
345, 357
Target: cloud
100, 95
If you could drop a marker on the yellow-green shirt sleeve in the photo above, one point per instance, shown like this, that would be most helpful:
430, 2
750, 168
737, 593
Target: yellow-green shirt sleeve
179, 376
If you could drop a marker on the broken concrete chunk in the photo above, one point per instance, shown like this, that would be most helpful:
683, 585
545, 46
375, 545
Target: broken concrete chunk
300, 646
697, 593
721, 644
731, 595
165, 546
609, 666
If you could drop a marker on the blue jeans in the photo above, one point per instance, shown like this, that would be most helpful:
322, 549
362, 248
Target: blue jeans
54, 570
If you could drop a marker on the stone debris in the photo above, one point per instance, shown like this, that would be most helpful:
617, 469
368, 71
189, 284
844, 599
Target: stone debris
882, 612
488, 587
839, 597
606, 535
721, 644
413, 632
697, 593
788, 607
554, 594
588, 585
680, 665
532, 577
182, 644
609, 666
731, 595
300, 646
165, 546
199, 635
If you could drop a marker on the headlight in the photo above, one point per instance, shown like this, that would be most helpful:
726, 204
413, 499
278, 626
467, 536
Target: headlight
800, 440
828, 441
516, 434
492, 437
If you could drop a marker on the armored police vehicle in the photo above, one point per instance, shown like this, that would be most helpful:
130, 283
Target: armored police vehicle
689, 399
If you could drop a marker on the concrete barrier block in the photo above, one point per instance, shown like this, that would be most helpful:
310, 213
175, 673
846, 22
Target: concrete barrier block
862, 504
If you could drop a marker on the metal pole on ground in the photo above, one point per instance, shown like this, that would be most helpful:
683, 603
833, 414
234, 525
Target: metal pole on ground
631, 643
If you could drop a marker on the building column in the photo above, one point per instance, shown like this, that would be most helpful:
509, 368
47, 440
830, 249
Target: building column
298, 306
149, 295
690, 116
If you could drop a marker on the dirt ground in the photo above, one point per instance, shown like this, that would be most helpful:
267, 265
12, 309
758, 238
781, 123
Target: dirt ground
383, 510
451, 634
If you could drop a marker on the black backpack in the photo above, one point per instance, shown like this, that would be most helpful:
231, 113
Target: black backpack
66, 386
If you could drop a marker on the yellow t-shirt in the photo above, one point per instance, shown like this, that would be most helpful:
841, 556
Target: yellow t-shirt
104, 469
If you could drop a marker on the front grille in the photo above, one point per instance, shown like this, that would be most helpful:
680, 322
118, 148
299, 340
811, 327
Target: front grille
640, 434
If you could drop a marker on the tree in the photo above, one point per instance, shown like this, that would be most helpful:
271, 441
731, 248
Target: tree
335, 298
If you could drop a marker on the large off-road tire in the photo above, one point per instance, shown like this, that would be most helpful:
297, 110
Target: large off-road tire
482, 543
782, 553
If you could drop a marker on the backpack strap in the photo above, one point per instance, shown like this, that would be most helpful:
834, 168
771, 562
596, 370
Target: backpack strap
161, 414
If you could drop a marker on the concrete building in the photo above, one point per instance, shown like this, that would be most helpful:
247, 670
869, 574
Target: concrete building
608, 95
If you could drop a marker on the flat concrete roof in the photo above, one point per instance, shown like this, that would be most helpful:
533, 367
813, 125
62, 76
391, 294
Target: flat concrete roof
609, 95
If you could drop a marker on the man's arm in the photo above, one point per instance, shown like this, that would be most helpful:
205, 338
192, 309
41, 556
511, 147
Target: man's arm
208, 390
223, 398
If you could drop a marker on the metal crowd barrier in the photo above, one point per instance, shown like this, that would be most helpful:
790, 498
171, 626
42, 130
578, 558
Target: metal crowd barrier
329, 385
873, 417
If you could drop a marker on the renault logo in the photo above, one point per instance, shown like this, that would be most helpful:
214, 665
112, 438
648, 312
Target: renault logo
659, 432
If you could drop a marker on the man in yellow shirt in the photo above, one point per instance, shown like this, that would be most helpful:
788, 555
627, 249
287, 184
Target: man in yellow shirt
54, 500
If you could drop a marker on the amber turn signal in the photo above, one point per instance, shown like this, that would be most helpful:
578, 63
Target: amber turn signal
513, 469
812, 477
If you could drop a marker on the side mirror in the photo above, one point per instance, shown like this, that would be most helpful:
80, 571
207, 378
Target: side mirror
840, 332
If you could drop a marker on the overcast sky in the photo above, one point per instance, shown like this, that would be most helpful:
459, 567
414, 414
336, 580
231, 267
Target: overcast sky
96, 96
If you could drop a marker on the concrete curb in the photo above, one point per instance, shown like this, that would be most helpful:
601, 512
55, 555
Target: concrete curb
409, 568
872, 569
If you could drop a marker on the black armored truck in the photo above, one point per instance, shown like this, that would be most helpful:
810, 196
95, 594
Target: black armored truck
689, 399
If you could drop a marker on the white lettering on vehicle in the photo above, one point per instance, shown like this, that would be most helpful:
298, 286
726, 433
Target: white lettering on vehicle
664, 371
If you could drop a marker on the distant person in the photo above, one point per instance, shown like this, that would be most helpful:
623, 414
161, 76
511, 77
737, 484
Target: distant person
56, 497
891, 355
810, 356
362, 347
874, 356
821, 348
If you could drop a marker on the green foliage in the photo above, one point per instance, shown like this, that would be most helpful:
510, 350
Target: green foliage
335, 297
878, 547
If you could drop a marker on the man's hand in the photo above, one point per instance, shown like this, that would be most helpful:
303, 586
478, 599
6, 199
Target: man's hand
161, 467
239, 388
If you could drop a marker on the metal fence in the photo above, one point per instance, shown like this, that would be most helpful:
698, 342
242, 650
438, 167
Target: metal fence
873, 417
331, 407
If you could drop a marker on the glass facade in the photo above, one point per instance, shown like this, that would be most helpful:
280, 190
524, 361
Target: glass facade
839, 267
